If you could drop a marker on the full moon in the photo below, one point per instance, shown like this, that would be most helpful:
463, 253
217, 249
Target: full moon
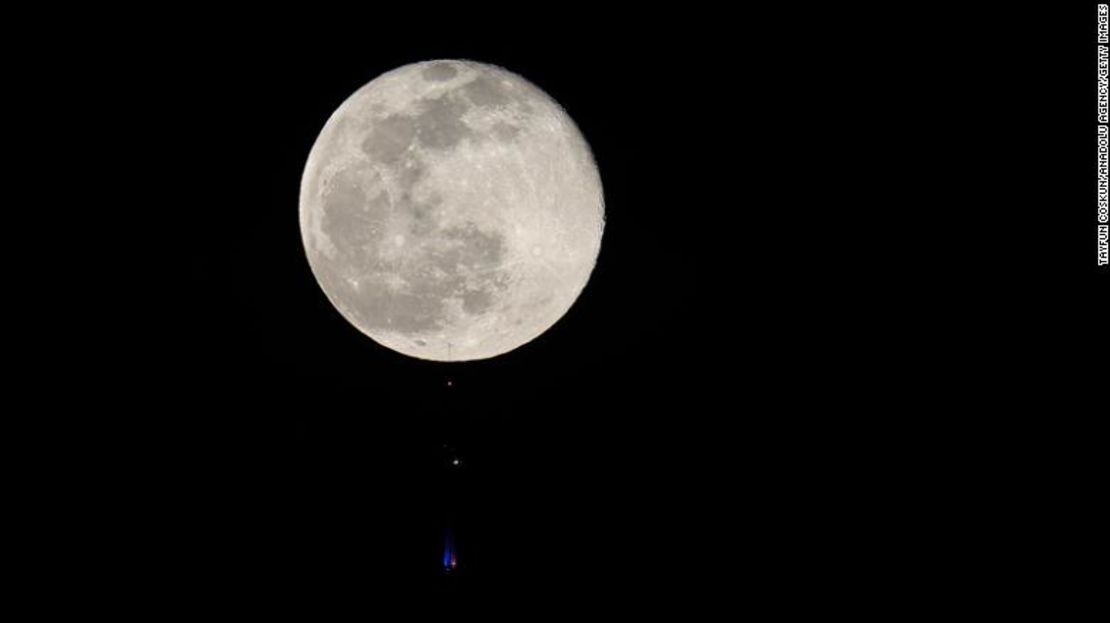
451, 210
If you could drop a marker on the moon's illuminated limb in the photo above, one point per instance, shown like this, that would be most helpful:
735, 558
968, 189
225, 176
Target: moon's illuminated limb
451, 210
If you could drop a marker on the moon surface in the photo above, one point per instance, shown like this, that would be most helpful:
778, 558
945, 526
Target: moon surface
451, 210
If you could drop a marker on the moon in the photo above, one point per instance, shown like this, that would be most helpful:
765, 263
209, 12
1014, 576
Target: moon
451, 210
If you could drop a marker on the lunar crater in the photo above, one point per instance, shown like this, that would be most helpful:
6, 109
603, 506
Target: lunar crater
438, 72
441, 125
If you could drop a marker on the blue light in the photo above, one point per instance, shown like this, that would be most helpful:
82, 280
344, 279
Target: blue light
448, 551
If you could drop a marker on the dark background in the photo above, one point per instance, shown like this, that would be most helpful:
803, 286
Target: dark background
847, 273
321, 458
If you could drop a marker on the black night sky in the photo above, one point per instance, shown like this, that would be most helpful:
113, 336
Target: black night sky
333, 468
817, 319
